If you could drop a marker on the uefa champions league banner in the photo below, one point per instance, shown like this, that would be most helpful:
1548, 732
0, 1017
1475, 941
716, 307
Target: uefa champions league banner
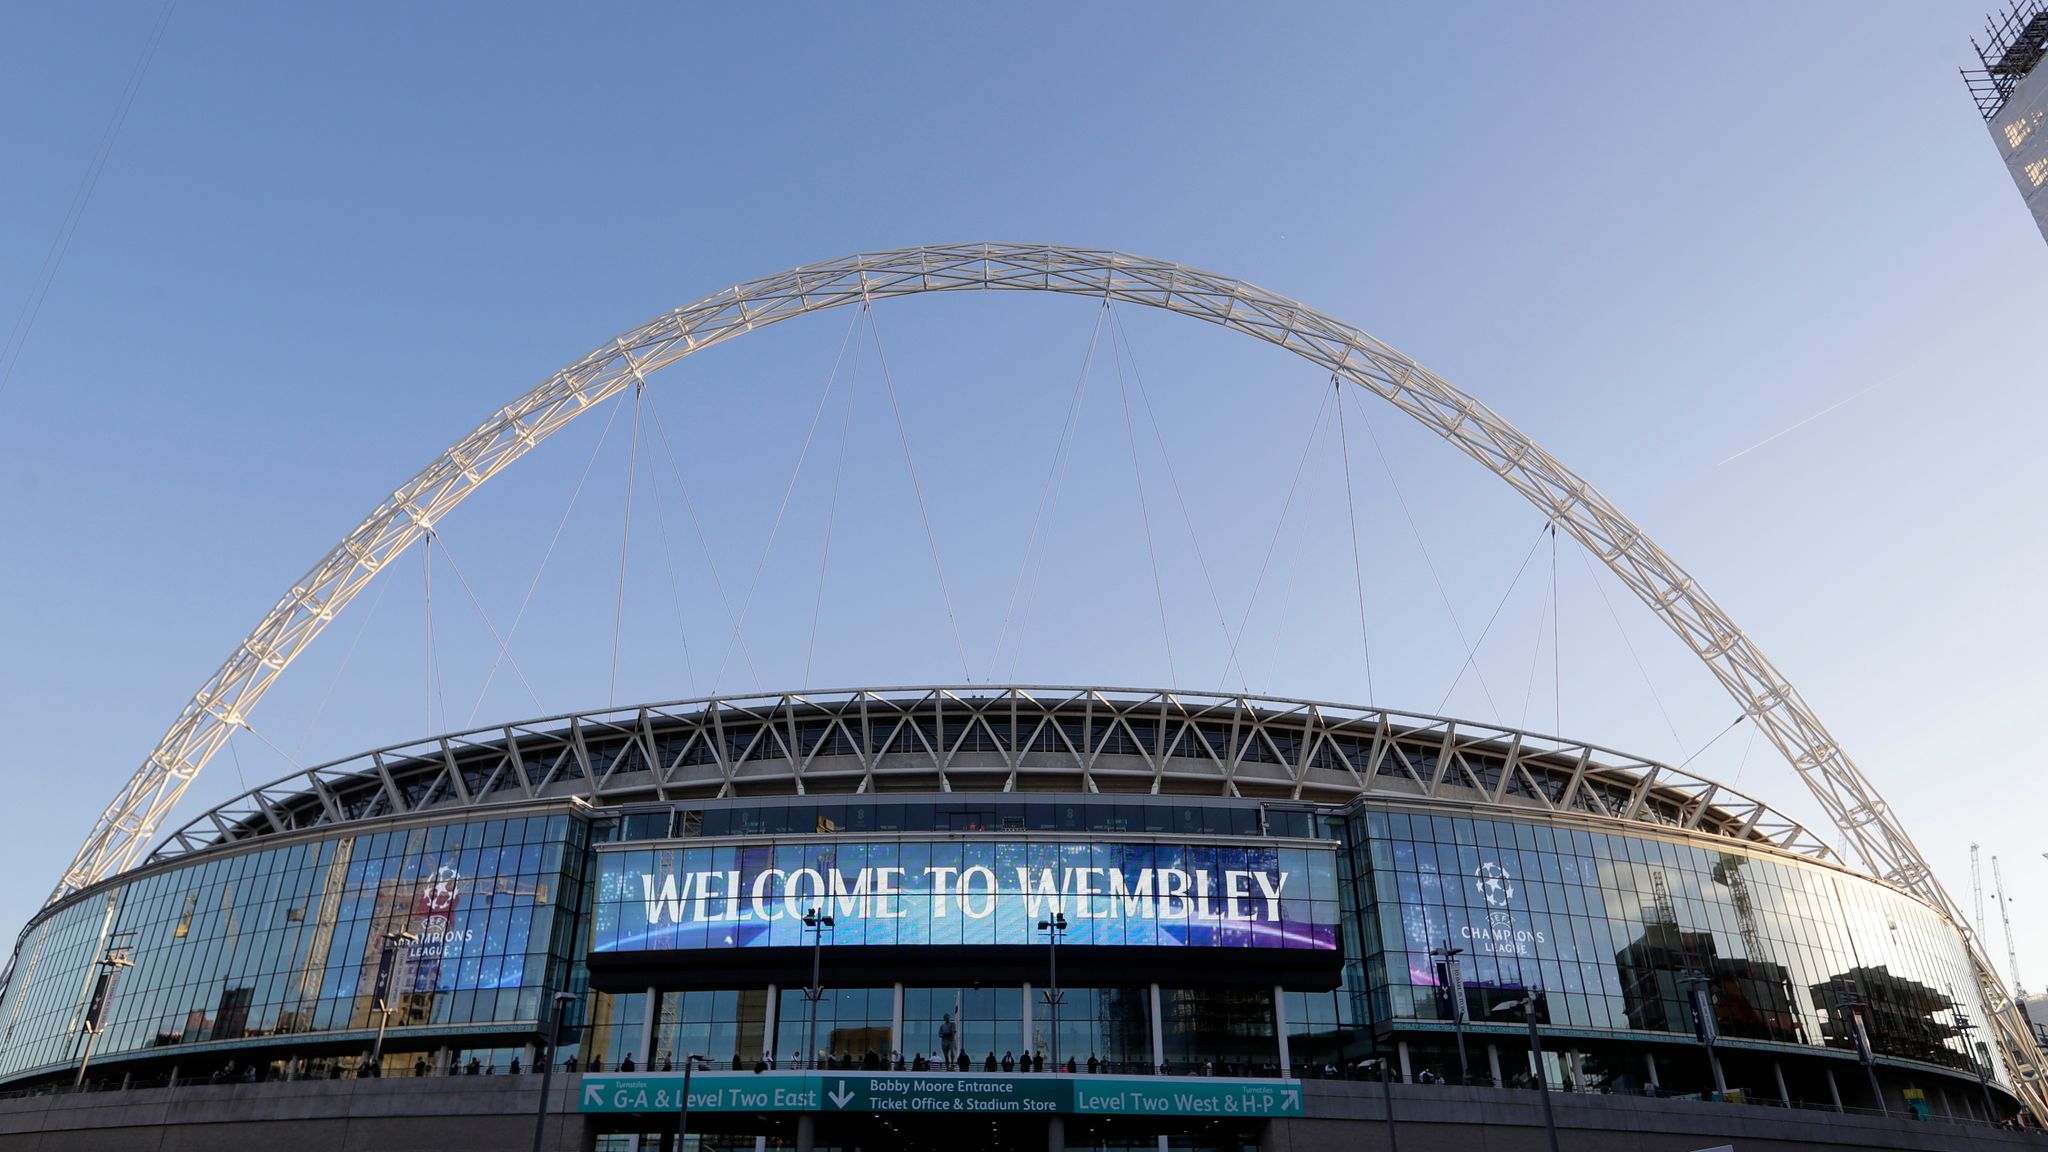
977, 892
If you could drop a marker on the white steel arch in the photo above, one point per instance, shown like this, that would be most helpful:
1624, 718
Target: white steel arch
1866, 822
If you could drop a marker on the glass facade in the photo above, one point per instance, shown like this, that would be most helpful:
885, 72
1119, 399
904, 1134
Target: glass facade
1618, 929
469, 927
298, 940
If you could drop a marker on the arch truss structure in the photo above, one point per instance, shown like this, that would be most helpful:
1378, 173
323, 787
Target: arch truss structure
985, 738
1867, 824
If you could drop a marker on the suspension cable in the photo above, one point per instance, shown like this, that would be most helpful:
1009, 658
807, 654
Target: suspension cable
268, 743
1746, 746
832, 513
1556, 649
625, 544
1630, 645
435, 536
60, 245
1144, 512
1122, 335
931, 539
236, 757
519, 617
1301, 542
1286, 505
1357, 564
1428, 561
1472, 653
775, 529
383, 586
1048, 502
710, 561
433, 665
675, 593
1536, 649
1715, 740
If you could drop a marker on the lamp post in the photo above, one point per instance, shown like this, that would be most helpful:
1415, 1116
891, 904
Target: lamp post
816, 923
1527, 1005
547, 1065
1704, 1025
1852, 1005
1454, 983
111, 962
1054, 928
391, 942
683, 1120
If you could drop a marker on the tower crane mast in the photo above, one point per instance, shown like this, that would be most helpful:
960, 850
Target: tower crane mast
1977, 889
2012, 952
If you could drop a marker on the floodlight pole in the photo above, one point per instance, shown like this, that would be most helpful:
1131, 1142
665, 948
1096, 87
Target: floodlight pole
1454, 981
547, 1066
1054, 928
817, 924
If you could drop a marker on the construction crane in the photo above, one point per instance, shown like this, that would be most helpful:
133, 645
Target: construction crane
1977, 890
2012, 953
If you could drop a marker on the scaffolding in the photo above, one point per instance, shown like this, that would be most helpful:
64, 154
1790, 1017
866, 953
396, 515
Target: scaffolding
2014, 42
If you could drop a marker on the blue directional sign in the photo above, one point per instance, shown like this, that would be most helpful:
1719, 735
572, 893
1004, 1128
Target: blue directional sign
940, 1092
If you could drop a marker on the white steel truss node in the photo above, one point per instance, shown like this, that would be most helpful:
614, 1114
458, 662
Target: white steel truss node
1866, 822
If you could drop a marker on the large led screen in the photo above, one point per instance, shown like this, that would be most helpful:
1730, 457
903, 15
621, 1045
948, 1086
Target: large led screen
974, 892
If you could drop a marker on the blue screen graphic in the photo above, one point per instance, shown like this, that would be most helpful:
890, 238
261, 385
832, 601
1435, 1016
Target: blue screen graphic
967, 892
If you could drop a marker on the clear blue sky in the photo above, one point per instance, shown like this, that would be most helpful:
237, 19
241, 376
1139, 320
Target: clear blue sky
329, 241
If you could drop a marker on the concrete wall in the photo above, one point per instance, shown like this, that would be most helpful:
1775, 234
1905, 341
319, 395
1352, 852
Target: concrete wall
445, 1114
435, 1114
1350, 1117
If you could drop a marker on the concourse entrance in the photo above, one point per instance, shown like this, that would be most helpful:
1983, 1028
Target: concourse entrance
996, 1112
1026, 1134
871, 1133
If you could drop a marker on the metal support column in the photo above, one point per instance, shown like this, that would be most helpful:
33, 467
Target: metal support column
1158, 1033
1834, 1091
650, 1015
768, 1023
1493, 1063
1280, 1028
895, 1055
1030, 1041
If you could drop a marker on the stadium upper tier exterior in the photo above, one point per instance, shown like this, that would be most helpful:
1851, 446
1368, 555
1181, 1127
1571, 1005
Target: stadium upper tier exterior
1249, 886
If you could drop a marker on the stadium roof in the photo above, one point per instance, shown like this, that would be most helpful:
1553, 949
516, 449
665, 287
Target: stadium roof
988, 738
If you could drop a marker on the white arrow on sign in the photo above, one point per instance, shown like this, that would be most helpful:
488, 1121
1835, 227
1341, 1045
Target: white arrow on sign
593, 1093
1290, 1097
840, 1097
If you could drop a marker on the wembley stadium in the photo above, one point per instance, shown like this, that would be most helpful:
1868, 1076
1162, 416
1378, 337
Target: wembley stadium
1022, 916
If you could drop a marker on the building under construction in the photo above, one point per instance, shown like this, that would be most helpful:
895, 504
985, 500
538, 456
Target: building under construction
2011, 89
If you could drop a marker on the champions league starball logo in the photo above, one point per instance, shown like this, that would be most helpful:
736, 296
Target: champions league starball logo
435, 928
1496, 886
442, 893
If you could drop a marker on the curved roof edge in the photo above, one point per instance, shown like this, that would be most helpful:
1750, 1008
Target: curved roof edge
993, 738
